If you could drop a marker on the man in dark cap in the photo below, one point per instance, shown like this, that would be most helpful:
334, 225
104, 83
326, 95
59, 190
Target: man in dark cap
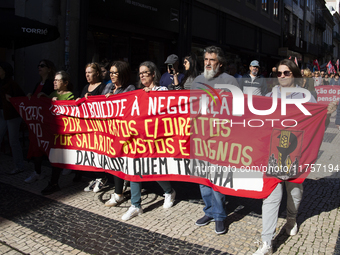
172, 73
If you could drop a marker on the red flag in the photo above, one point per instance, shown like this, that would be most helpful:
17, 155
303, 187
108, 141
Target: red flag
296, 62
290, 57
330, 67
140, 141
337, 65
316, 63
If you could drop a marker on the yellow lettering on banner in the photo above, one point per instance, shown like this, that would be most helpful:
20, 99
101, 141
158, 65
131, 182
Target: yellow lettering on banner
132, 148
244, 153
88, 128
212, 121
212, 153
124, 128
168, 145
85, 142
55, 138
239, 150
176, 126
181, 148
187, 127
101, 143
133, 131
73, 124
167, 123
78, 140
125, 147
147, 127
222, 154
225, 128
149, 142
158, 149
141, 144
198, 145
202, 119
181, 124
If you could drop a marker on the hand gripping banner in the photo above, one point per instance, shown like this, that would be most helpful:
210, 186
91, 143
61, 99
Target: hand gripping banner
178, 136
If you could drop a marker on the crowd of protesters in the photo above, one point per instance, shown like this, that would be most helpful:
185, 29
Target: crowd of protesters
110, 78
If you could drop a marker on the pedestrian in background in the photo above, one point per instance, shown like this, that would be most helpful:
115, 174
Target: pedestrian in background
46, 70
10, 119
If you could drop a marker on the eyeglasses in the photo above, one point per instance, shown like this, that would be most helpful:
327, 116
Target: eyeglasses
42, 65
285, 73
144, 73
114, 73
58, 80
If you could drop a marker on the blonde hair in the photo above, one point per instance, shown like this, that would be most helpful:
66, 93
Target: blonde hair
307, 73
95, 66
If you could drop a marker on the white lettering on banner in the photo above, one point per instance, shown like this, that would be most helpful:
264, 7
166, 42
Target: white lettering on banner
159, 106
238, 100
31, 112
241, 180
35, 30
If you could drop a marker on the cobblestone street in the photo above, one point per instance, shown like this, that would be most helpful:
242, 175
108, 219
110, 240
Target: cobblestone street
72, 221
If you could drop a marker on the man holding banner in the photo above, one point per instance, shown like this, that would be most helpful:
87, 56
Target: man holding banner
214, 66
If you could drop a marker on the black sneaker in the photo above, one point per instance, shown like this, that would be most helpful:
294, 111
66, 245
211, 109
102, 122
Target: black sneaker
50, 189
220, 227
204, 221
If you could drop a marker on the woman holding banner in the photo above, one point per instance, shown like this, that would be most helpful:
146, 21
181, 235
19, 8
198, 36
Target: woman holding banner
94, 87
63, 91
149, 77
289, 75
120, 76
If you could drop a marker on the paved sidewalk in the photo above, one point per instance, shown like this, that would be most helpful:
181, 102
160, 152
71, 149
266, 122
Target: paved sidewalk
72, 221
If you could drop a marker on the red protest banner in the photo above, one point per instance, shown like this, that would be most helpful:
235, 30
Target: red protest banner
156, 136
328, 93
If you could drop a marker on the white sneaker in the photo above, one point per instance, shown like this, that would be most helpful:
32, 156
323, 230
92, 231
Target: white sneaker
169, 199
264, 249
132, 212
90, 186
100, 183
114, 200
32, 178
291, 227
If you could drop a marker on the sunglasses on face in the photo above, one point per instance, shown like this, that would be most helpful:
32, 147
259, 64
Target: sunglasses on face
285, 73
42, 65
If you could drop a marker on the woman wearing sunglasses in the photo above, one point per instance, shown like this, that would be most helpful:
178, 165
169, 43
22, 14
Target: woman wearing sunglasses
289, 75
149, 77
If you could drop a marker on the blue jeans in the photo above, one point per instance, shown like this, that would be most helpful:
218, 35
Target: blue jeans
214, 203
13, 127
136, 191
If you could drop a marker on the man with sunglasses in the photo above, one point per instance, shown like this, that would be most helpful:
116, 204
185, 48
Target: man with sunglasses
253, 79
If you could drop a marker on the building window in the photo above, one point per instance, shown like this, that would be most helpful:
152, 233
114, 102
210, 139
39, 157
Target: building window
294, 26
251, 2
276, 9
265, 5
302, 3
308, 4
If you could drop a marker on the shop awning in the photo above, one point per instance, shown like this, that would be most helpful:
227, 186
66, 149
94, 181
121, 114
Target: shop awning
17, 32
